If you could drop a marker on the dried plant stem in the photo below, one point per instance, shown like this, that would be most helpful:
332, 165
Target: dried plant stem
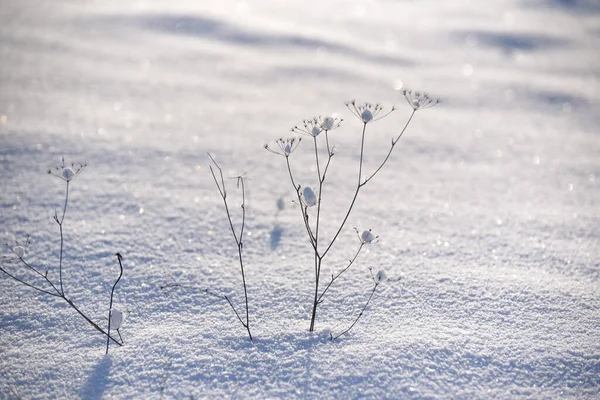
334, 277
359, 315
319, 254
57, 289
238, 239
59, 295
112, 292
60, 225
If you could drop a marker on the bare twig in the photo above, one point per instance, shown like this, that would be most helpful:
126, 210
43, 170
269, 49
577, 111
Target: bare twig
238, 239
110, 310
359, 315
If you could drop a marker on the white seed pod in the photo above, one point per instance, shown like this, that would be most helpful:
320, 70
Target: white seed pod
68, 174
315, 131
328, 123
310, 199
367, 237
19, 251
381, 276
116, 318
366, 115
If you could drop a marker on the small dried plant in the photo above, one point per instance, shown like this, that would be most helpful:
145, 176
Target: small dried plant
45, 281
309, 198
237, 236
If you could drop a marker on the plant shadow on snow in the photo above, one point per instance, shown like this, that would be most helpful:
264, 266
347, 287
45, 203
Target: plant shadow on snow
98, 379
204, 27
510, 42
577, 6
275, 237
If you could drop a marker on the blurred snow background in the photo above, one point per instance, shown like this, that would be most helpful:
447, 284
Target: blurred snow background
488, 209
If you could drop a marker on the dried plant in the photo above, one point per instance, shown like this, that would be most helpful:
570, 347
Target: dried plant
31, 276
309, 198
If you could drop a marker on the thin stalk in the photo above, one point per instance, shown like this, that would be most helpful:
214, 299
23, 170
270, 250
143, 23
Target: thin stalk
29, 284
334, 277
316, 250
95, 325
359, 315
304, 214
238, 240
60, 225
358, 186
112, 292
394, 141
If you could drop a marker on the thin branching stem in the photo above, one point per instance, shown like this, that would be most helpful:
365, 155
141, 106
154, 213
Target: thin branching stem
60, 225
28, 284
95, 325
59, 295
316, 250
44, 276
358, 186
302, 208
238, 239
112, 292
329, 157
58, 287
394, 141
334, 277
359, 315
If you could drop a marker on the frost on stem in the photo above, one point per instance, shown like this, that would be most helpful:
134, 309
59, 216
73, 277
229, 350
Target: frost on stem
368, 112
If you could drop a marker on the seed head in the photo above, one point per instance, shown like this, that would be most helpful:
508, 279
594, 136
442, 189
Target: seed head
419, 100
67, 173
368, 112
286, 146
313, 127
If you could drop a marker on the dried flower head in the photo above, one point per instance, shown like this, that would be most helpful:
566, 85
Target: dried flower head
381, 276
313, 127
308, 194
366, 237
18, 249
419, 100
286, 146
67, 172
368, 112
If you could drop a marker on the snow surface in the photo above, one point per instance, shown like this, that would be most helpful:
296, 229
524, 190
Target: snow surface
487, 210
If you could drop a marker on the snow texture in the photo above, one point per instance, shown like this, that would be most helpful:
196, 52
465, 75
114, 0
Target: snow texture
487, 210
